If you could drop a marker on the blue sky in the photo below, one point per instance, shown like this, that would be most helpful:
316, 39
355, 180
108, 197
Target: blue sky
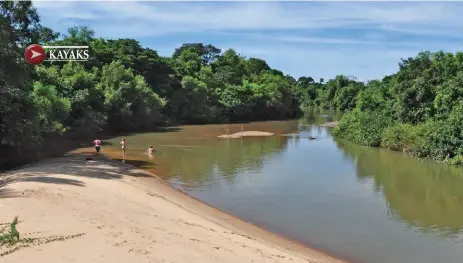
318, 39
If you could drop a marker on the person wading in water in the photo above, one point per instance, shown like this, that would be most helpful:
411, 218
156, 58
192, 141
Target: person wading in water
150, 152
97, 144
123, 146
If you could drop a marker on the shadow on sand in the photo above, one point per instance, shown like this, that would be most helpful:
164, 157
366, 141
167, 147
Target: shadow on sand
77, 166
136, 163
8, 193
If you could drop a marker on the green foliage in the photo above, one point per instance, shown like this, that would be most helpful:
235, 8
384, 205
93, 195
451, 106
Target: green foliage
73, 82
129, 101
52, 110
370, 99
362, 127
444, 138
450, 93
400, 137
457, 160
9, 237
421, 106
19, 26
207, 53
189, 103
127, 87
345, 99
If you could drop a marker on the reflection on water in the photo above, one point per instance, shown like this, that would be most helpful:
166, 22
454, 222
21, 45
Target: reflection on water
223, 157
424, 194
367, 205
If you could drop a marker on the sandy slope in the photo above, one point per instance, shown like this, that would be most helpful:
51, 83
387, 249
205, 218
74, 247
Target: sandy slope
128, 216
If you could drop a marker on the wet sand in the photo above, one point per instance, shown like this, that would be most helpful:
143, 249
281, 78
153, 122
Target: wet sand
128, 215
246, 134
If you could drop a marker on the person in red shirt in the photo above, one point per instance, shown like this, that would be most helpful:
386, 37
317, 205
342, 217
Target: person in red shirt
97, 144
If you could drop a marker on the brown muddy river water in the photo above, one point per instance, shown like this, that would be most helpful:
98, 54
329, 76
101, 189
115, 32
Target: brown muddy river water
361, 204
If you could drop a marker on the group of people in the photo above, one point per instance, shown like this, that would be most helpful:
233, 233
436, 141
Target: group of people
97, 144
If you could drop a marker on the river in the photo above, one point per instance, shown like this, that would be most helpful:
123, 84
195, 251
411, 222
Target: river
361, 204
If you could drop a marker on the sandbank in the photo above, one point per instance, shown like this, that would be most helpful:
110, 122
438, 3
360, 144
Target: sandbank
128, 215
247, 134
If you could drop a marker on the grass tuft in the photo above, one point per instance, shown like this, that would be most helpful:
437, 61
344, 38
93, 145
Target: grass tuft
10, 240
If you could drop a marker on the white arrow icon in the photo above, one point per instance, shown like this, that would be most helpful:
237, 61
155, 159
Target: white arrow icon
35, 54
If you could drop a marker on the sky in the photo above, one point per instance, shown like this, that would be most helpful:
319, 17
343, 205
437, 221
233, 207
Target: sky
318, 39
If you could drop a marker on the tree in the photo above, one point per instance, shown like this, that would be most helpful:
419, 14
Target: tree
305, 81
131, 104
52, 110
19, 26
255, 66
207, 53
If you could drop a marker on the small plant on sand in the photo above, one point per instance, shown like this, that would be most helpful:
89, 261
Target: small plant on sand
10, 237
10, 240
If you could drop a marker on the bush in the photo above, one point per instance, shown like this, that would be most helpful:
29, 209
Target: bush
457, 160
364, 128
442, 139
399, 137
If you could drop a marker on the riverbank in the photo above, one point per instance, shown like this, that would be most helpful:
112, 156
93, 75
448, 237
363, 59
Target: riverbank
127, 215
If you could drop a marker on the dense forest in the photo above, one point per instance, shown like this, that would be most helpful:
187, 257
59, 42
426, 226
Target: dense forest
418, 110
126, 87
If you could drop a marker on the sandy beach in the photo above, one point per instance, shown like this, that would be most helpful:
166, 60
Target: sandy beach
127, 215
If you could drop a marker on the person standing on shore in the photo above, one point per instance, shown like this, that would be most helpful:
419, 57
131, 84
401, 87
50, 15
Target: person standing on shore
123, 146
97, 144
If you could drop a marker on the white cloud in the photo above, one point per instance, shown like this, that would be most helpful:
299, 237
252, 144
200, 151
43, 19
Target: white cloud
178, 16
299, 38
366, 39
431, 31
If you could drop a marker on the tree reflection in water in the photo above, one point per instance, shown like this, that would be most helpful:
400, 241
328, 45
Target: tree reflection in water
422, 193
